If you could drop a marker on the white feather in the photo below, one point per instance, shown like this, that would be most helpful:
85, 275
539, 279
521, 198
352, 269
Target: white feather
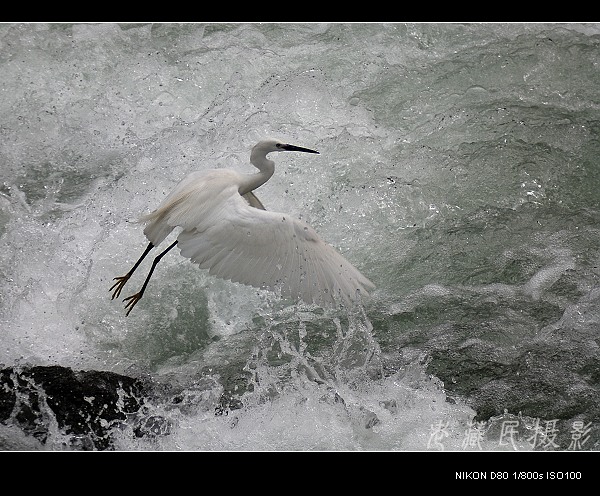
225, 229
263, 249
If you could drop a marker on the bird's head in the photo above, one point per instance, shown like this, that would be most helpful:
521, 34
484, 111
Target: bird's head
273, 145
258, 156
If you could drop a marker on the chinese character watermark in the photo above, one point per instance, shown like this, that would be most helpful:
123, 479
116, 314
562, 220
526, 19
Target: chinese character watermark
579, 435
438, 433
544, 435
473, 435
509, 431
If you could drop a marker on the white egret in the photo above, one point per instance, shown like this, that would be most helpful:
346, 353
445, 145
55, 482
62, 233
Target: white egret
227, 230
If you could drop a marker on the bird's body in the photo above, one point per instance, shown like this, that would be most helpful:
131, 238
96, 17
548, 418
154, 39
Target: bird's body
225, 229
195, 203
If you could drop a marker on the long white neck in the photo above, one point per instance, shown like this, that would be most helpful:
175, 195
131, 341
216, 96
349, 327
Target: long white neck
266, 168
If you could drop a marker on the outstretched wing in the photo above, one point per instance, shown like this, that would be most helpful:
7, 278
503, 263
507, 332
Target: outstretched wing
271, 250
193, 200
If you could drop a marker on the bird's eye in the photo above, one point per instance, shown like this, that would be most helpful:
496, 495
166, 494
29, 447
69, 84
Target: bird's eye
278, 145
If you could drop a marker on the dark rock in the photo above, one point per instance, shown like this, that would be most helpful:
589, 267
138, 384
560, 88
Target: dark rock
86, 406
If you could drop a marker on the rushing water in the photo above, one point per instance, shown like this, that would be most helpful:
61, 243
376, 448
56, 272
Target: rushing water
458, 170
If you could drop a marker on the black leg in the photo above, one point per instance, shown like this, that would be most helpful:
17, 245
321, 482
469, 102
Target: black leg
133, 299
123, 279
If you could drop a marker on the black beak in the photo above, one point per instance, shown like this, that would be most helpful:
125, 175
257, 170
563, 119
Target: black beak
293, 148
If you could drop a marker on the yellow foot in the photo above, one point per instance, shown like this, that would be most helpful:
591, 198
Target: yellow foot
119, 285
